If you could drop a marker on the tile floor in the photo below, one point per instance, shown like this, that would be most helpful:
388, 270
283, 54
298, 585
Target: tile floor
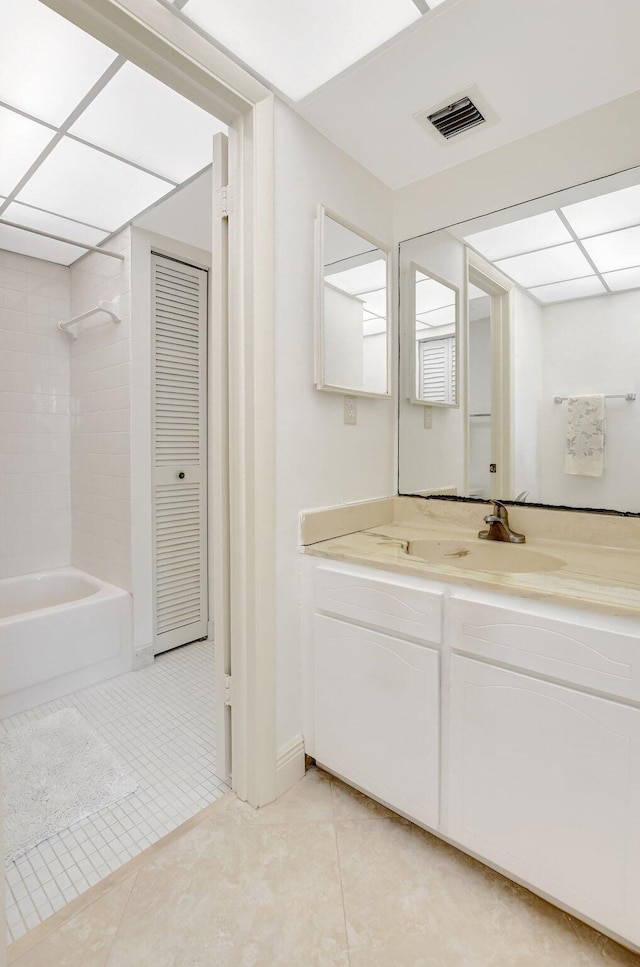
324, 877
161, 721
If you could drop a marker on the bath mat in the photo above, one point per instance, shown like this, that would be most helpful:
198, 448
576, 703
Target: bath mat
56, 771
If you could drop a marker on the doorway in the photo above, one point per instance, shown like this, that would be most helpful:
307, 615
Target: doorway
488, 450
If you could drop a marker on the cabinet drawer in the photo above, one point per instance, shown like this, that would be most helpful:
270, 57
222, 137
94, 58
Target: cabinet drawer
377, 718
570, 651
385, 604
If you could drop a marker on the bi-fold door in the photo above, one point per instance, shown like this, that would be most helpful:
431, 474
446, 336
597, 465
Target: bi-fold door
179, 435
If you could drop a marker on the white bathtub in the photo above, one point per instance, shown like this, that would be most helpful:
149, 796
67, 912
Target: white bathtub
60, 631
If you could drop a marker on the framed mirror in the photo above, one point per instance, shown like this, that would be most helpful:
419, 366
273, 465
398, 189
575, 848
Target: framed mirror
547, 354
436, 310
352, 310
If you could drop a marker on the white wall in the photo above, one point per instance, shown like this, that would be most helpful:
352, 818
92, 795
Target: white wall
319, 460
529, 360
343, 338
592, 346
100, 420
35, 515
185, 215
374, 362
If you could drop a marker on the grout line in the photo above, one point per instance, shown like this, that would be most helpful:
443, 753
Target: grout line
344, 911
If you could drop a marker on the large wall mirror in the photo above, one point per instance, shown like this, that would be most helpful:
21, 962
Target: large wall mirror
547, 352
352, 310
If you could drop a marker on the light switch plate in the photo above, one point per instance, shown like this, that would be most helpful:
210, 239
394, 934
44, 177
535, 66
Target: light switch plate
350, 410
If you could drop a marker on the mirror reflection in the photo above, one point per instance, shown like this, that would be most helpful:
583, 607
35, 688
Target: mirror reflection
436, 331
548, 353
353, 332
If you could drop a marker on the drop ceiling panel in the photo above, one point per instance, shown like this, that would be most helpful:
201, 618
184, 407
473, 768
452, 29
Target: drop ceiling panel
432, 295
79, 182
38, 247
21, 142
618, 209
375, 302
626, 279
55, 224
617, 250
296, 45
566, 291
47, 64
525, 235
361, 278
551, 265
142, 120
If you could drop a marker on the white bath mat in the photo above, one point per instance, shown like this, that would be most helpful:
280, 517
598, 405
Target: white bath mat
56, 771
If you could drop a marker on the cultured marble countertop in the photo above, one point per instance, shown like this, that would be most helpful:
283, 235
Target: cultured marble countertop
596, 578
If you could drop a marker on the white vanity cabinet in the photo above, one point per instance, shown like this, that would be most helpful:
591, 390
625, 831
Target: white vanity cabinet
543, 775
376, 694
514, 733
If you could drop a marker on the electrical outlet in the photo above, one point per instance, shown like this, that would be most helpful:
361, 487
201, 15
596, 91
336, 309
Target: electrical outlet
428, 417
350, 410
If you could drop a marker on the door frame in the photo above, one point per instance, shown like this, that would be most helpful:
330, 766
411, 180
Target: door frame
151, 36
499, 288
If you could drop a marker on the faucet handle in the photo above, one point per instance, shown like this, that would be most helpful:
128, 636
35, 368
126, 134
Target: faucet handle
499, 509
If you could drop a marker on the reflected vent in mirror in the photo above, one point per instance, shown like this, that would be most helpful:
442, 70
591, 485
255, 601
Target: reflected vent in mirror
456, 118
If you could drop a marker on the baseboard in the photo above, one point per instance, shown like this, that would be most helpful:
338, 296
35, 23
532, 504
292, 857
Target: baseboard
289, 764
143, 656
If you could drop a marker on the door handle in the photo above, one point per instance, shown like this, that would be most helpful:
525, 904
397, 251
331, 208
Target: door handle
181, 475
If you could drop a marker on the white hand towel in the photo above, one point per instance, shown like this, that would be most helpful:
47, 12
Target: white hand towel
585, 436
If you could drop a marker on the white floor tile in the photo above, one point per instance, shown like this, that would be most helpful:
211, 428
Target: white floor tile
161, 721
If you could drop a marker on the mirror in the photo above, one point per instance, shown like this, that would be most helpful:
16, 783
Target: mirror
547, 352
352, 344
435, 345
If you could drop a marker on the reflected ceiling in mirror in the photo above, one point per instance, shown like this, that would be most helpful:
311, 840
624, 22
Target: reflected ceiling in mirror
548, 353
352, 346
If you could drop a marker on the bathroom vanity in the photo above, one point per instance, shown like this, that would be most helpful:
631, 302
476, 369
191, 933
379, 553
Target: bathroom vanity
499, 709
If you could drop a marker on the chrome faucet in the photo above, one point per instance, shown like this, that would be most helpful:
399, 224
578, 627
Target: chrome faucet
499, 529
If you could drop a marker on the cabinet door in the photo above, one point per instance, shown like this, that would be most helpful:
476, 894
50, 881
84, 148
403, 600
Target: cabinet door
377, 715
545, 782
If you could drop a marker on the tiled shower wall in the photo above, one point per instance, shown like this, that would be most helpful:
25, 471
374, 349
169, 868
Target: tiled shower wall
35, 510
64, 417
100, 418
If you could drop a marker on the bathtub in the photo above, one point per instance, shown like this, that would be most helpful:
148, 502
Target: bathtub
60, 631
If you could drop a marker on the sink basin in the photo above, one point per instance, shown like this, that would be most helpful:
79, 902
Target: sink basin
497, 556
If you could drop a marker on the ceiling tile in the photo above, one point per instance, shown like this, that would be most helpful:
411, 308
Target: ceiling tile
21, 141
38, 247
574, 289
47, 64
56, 224
361, 278
298, 46
617, 250
525, 235
432, 295
606, 213
626, 279
551, 265
143, 120
437, 317
85, 184
376, 302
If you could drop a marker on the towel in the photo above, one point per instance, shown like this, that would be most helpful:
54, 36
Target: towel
585, 436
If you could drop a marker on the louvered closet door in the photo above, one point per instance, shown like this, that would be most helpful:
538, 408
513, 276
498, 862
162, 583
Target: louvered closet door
179, 315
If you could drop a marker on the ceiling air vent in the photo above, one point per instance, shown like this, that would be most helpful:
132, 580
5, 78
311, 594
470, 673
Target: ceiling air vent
456, 118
